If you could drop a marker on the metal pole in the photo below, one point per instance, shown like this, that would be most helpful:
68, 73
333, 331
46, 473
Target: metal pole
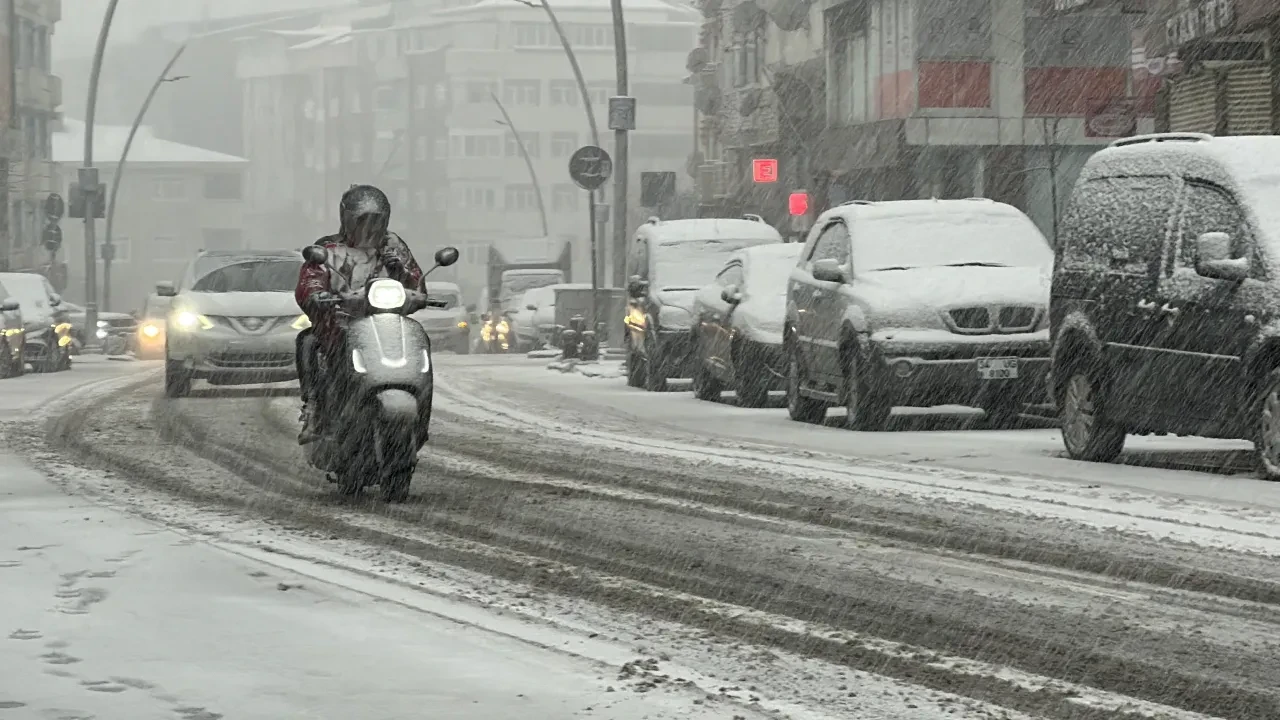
595, 261
90, 222
619, 150
598, 229
528, 161
108, 248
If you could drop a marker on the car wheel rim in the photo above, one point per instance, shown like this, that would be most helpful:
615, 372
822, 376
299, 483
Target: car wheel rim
1078, 415
1270, 436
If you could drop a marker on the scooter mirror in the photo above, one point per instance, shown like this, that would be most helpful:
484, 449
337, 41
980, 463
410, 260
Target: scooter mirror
315, 255
446, 256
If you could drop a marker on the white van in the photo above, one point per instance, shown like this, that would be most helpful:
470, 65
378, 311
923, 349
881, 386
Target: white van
668, 262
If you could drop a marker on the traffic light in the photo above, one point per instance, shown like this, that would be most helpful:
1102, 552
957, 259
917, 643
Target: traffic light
798, 203
80, 202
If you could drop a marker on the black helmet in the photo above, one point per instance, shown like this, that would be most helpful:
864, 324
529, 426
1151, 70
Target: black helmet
365, 214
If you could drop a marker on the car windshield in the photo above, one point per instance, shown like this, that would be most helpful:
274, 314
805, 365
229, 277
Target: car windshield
251, 276
691, 265
951, 240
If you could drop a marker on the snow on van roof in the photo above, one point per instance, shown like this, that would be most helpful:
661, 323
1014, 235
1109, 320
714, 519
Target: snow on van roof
700, 229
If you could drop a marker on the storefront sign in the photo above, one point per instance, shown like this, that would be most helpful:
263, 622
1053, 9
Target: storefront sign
1116, 118
1204, 19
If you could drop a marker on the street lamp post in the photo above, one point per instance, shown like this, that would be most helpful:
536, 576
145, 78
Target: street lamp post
620, 125
528, 161
108, 247
88, 175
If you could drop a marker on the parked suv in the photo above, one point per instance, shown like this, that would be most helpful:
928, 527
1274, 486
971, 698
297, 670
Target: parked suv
1166, 295
668, 262
918, 302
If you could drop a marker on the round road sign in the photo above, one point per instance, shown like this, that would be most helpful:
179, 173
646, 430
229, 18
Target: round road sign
54, 206
590, 166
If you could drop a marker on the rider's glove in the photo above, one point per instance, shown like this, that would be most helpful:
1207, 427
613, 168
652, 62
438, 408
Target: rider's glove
391, 260
321, 297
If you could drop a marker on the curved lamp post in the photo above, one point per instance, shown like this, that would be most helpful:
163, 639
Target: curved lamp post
108, 246
528, 161
88, 175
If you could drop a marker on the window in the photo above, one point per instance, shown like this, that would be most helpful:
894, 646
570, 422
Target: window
170, 188
521, 197
470, 146
833, 244
478, 91
478, 198
563, 92
564, 198
168, 248
388, 98
590, 36
422, 96
222, 239
1209, 209
123, 250
223, 186
534, 35
563, 143
1118, 224
663, 94
600, 92
530, 143
522, 92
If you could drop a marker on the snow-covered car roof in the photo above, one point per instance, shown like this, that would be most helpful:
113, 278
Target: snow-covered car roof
702, 229
1248, 165
888, 209
770, 264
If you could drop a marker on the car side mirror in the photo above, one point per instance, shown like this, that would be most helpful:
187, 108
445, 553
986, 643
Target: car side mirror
315, 255
446, 256
166, 289
637, 287
55, 300
1213, 258
9, 305
829, 271
530, 306
731, 295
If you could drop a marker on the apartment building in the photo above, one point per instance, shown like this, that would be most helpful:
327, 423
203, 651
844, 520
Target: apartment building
31, 109
1004, 99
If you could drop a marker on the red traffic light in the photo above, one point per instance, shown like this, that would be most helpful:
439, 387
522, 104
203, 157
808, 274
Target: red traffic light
764, 170
798, 203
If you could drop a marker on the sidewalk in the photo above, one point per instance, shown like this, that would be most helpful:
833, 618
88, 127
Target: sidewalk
108, 616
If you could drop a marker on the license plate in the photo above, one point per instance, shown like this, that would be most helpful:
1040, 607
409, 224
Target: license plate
998, 368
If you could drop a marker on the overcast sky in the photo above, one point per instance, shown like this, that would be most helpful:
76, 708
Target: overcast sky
77, 32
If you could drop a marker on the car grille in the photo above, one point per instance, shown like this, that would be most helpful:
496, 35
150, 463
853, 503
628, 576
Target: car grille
252, 325
999, 320
250, 361
123, 323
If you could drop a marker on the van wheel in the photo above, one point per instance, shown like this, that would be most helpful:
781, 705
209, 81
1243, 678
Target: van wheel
1266, 441
800, 408
865, 407
177, 380
1086, 432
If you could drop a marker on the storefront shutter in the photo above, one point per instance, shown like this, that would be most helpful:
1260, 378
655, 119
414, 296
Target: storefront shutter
1191, 104
1249, 100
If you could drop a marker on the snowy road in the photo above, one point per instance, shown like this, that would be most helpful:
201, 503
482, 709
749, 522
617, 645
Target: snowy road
803, 572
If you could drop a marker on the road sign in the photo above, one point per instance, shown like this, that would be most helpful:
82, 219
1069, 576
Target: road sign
798, 203
764, 170
622, 113
54, 206
590, 166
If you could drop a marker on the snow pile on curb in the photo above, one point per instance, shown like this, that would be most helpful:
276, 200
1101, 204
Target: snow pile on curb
590, 369
543, 353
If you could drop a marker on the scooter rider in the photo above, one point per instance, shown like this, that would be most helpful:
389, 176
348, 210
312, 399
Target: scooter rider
362, 249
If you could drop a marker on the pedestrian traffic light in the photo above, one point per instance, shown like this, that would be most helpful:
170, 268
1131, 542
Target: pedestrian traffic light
798, 203
764, 170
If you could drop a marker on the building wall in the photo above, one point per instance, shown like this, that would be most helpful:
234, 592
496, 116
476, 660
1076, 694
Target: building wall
38, 95
163, 219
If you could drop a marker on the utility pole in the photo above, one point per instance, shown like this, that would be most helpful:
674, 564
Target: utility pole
88, 175
622, 118
108, 247
528, 161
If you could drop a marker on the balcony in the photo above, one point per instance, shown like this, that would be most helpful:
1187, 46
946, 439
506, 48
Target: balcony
55, 92
713, 181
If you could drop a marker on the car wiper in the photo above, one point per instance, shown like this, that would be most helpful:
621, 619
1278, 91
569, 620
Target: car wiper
976, 264
897, 267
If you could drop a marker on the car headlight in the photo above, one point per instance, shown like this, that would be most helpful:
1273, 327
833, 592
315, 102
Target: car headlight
387, 295
462, 325
101, 334
503, 327
190, 321
150, 330
302, 323
103, 323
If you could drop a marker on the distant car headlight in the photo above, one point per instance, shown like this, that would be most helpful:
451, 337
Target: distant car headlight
387, 295
302, 323
462, 325
190, 321
103, 323
503, 328
151, 330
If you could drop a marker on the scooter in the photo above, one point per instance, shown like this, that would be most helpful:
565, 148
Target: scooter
377, 408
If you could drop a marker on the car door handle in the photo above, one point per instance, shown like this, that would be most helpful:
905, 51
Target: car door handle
1170, 310
1146, 304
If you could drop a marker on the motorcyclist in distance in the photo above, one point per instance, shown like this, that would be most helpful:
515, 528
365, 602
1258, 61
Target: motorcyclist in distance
363, 248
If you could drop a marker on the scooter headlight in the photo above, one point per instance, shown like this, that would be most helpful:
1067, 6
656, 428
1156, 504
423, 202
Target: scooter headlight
302, 323
387, 295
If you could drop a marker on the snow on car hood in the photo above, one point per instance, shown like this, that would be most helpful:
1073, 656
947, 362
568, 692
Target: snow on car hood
682, 299
915, 297
762, 318
239, 304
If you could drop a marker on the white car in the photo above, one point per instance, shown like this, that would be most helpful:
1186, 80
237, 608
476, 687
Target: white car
233, 320
542, 304
521, 320
738, 321
447, 327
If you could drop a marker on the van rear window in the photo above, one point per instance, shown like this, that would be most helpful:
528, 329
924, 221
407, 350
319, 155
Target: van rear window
1122, 219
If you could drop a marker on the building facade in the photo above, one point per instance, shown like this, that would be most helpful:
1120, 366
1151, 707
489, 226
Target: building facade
174, 200
33, 99
1004, 99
